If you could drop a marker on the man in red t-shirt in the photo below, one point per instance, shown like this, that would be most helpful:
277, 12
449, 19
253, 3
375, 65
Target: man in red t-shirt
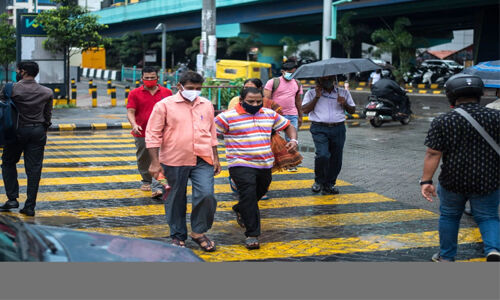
140, 105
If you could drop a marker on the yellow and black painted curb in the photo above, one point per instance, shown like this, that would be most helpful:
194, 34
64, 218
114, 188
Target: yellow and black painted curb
433, 89
89, 126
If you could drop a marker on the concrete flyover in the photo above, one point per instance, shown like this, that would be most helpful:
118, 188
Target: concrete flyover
432, 20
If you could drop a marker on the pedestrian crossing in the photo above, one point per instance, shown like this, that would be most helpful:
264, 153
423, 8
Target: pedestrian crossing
90, 182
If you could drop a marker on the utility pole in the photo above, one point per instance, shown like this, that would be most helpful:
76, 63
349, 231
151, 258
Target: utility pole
326, 44
329, 26
163, 28
208, 42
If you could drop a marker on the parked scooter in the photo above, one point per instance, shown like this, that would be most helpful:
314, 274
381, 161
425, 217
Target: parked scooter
380, 110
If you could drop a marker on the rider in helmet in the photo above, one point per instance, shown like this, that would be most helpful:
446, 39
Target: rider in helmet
470, 171
390, 90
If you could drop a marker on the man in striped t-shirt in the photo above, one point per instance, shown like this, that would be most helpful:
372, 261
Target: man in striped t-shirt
247, 134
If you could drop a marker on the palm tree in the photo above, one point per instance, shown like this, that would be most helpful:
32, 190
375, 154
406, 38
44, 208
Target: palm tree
398, 41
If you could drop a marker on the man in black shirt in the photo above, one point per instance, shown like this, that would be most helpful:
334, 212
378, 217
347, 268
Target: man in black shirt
470, 169
34, 104
390, 90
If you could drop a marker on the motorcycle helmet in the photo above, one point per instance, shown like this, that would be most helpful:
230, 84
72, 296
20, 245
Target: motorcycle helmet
463, 85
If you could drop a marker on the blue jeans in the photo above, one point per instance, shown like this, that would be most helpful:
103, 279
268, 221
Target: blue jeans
294, 120
485, 211
329, 144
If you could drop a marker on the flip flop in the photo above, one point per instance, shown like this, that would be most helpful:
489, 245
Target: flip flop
252, 243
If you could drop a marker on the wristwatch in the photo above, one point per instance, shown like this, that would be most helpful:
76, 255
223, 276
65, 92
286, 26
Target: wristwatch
294, 140
425, 182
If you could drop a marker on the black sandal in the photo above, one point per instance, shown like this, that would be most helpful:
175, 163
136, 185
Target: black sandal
178, 243
252, 243
239, 219
208, 243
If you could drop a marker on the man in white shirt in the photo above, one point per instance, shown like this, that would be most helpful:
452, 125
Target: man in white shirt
326, 106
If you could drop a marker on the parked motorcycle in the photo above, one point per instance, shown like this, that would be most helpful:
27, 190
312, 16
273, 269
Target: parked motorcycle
380, 110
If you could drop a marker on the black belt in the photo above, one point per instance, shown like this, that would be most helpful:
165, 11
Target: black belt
32, 125
327, 124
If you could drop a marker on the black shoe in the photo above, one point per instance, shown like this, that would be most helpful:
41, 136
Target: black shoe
493, 256
316, 188
28, 211
10, 204
329, 190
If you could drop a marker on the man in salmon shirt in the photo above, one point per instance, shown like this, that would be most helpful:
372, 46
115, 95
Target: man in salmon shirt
182, 142
139, 107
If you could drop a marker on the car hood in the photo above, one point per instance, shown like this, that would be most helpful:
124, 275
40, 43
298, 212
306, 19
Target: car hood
81, 246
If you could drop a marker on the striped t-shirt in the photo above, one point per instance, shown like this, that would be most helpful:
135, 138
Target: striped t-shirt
248, 137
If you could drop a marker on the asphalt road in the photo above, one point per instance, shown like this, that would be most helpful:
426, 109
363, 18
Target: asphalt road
388, 160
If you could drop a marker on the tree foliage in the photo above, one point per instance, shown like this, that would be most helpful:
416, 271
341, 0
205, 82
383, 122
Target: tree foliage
307, 56
346, 32
70, 26
292, 46
238, 47
194, 49
399, 42
7, 43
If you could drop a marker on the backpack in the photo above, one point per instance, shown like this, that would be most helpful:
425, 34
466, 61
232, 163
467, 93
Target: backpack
276, 83
9, 117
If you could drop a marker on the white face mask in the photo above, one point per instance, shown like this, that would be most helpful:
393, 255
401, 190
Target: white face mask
191, 95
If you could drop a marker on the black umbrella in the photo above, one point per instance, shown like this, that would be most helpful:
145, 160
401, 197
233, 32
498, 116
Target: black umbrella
489, 72
335, 66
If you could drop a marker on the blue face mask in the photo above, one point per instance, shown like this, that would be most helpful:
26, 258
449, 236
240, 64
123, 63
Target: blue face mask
288, 75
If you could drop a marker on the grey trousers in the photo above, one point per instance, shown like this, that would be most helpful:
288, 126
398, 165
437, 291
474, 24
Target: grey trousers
203, 200
143, 162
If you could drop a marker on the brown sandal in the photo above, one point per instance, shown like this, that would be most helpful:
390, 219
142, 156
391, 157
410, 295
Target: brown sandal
178, 243
156, 194
208, 243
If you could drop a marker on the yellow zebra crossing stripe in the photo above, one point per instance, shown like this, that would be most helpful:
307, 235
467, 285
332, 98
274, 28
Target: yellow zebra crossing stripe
83, 137
158, 209
93, 141
318, 247
105, 146
224, 173
83, 169
319, 221
93, 159
130, 178
136, 193
100, 152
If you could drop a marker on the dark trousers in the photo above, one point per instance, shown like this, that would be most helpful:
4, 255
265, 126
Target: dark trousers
252, 184
30, 141
203, 200
402, 101
329, 144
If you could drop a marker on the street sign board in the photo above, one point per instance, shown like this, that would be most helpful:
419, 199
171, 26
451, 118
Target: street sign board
30, 38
